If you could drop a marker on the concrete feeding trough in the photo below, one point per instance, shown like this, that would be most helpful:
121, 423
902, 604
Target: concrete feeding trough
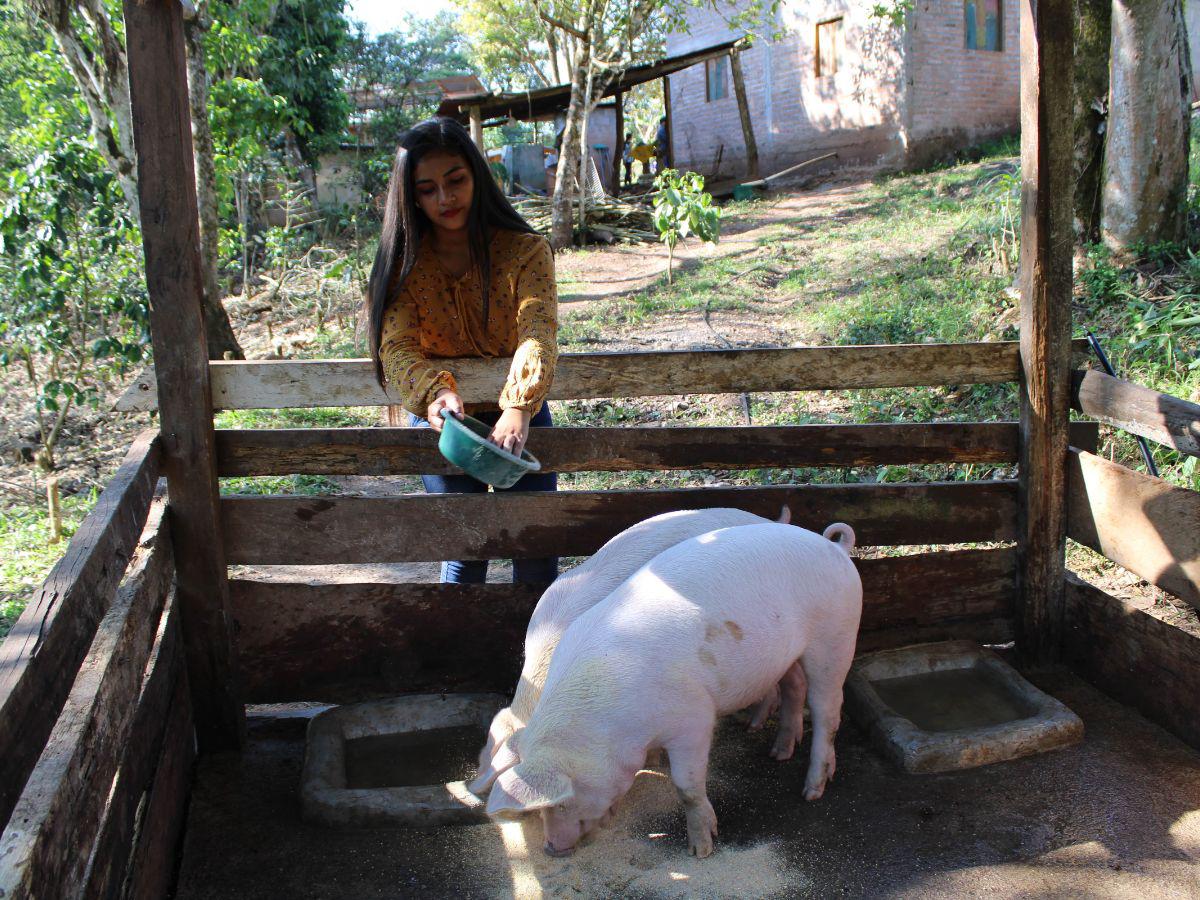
405, 761
953, 705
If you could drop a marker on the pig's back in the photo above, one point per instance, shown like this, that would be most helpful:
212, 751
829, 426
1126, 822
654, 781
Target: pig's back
732, 608
591, 581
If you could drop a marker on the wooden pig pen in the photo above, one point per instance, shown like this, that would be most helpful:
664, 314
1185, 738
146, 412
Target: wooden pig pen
140, 653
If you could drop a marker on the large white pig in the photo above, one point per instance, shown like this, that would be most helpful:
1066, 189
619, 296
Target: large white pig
705, 628
582, 588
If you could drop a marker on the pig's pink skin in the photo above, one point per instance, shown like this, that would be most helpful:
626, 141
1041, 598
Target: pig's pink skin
580, 589
705, 628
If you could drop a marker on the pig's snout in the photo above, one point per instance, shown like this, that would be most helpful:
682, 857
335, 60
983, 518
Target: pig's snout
551, 850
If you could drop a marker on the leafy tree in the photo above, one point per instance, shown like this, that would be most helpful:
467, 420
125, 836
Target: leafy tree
307, 38
681, 208
75, 311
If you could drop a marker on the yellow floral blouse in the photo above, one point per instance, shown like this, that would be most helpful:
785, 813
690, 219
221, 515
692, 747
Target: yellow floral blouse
436, 316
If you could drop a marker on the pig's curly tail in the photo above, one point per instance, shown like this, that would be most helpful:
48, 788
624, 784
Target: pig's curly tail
841, 534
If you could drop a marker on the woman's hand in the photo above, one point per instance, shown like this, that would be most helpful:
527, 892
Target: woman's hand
445, 399
512, 428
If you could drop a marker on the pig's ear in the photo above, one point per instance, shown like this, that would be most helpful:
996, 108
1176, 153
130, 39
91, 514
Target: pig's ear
503, 759
517, 791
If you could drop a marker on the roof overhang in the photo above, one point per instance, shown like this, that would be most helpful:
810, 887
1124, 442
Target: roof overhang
545, 102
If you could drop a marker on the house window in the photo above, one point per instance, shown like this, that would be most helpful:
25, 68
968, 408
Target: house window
829, 47
982, 21
716, 72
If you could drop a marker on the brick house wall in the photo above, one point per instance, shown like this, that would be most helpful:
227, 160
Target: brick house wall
900, 96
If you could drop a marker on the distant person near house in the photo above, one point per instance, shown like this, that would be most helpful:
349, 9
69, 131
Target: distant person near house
627, 158
662, 145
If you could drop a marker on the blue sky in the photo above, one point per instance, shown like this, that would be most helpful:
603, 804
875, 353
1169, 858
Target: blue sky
387, 15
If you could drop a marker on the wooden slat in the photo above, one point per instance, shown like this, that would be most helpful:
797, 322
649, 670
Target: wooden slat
413, 451
1159, 417
162, 134
45, 848
281, 384
41, 654
153, 866
1143, 523
1047, 237
322, 530
1138, 659
335, 640
164, 689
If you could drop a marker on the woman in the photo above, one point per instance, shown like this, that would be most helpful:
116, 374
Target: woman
459, 273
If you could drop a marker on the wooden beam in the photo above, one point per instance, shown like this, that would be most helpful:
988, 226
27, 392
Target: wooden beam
170, 238
739, 89
418, 527
413, 451
1139, 410
40, 656
1137, 658
618, 156
330, 639
163, 698
45, 848
1143, 523
476, 126
279, 384
1047, 239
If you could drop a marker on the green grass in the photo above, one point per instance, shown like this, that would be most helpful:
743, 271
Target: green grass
26, 554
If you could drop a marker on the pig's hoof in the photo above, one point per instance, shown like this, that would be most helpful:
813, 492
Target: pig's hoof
702, 829
782, 754
550, 850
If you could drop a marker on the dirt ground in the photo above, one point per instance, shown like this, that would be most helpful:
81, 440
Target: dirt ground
1116, 817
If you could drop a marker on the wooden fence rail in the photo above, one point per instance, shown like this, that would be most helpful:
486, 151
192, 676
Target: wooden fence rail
1145, 524
334, 639
282, 384
1159, 417
40, 656
324, 530
413, 451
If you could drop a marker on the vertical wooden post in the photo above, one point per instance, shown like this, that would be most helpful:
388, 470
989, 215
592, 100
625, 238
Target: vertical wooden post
620, 148
739, 89
162, 133
670, 159
476, 126
1047, 238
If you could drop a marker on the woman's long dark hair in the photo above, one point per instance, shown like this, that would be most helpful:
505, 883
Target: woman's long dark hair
405, 225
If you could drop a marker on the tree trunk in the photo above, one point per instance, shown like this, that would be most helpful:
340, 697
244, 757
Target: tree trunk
739, 88
565, 189
218, 333
1146, 151
1093, 36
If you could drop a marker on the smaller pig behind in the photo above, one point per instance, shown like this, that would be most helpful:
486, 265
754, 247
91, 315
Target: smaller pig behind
705, 628
582, 588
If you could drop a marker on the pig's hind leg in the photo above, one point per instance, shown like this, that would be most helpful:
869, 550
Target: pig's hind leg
826, 666
765, 709
688, 753
793, 688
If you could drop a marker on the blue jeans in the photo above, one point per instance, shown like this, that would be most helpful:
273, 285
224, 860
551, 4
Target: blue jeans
474, 571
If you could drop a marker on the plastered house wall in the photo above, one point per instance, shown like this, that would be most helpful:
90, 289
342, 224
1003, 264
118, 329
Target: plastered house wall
901, 96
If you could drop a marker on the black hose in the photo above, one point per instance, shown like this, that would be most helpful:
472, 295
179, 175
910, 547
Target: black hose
1146, 455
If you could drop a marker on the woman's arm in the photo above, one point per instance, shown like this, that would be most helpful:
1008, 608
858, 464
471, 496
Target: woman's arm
420, 384
532, 368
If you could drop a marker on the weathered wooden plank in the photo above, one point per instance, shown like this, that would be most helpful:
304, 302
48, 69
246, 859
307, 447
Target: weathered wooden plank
1139, 410
280, 384
1138, 659
1047, 239
162, 135
164, 688
333, 639
45, 848
401, 451
41, 654
323, 530
153, 866
1143, 523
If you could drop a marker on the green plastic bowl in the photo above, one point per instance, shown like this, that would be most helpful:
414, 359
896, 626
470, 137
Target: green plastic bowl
464, 442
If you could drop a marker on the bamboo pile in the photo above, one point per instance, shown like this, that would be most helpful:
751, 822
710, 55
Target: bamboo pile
629, 223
